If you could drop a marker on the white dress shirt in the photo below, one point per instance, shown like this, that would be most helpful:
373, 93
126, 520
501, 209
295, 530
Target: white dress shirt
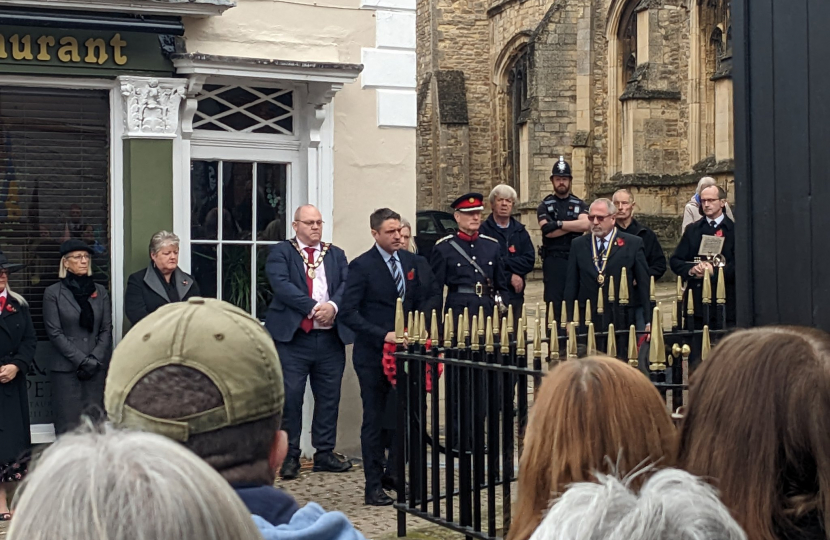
718, 220
320, 285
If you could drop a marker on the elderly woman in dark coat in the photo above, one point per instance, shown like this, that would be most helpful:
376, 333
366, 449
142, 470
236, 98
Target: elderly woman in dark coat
77, 314
160, 283
17, 350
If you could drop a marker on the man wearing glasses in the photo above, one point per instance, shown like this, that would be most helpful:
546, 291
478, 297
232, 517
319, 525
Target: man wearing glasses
562, 218
714, 224
603, 254
308, 277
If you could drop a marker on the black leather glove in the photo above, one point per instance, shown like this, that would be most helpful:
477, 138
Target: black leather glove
88, 368
550, 226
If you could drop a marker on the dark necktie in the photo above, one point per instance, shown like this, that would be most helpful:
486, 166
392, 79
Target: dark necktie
396, 275
308, 324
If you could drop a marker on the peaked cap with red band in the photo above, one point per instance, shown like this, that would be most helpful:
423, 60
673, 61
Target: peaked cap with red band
471, 202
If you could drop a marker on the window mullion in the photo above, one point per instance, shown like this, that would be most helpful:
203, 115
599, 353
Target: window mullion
254, 193
220, 188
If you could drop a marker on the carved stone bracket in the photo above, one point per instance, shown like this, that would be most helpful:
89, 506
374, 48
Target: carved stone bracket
151, 106
319, 95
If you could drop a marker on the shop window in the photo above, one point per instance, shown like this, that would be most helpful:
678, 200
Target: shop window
228, 255
244, 109
54, 184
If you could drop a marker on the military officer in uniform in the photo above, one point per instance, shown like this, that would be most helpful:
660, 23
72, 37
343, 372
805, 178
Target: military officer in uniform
562, 217
469, 263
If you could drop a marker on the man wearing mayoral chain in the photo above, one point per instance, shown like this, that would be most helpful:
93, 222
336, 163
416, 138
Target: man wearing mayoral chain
308, 277
603, 254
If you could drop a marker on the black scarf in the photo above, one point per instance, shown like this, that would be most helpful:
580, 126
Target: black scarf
82, 288
169, 286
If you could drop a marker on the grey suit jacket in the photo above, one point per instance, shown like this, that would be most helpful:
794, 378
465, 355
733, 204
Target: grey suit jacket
60, 316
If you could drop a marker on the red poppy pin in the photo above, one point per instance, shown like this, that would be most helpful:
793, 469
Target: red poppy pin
94, 295
719, 232
411, 275
620, 242
512, 249
10, 308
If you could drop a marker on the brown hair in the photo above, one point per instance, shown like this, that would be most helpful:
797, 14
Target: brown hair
592, 414
239, 453
758, 426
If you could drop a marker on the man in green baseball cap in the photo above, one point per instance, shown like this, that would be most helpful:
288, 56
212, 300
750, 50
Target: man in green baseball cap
207, 374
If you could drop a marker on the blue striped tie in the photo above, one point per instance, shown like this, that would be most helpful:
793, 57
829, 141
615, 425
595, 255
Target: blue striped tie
396, 275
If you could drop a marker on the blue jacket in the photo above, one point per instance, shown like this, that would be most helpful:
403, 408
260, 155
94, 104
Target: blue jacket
291, 302
311, 523
516, 246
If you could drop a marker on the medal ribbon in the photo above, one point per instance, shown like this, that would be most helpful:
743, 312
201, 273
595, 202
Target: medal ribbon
604, 255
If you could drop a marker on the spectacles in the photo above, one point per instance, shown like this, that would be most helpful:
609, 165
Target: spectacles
311, 223
4, 272
84, 257
599, 218
704, 201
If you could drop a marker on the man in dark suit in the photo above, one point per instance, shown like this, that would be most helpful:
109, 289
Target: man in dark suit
308, 278
376, 280
715, 223
604, 253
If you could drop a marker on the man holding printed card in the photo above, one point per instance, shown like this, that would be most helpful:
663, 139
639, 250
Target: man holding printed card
708, 244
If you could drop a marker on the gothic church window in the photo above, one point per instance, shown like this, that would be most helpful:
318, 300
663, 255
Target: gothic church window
519, 108
628, 40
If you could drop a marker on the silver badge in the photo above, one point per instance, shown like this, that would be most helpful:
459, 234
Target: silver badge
561, 164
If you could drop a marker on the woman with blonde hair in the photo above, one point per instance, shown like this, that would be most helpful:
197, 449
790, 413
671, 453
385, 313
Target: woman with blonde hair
77, 314
126, 485
757, 425
593, 415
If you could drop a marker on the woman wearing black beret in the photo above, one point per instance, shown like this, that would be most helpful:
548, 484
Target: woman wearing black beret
77, 314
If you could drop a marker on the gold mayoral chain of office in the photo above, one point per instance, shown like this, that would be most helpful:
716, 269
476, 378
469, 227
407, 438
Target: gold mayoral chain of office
311, 268
601, 259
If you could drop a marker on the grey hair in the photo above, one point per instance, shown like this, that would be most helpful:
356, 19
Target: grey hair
504, 191
19, 298
627, 192
161, 239
126, 485
704, 183
671, 505
609, 204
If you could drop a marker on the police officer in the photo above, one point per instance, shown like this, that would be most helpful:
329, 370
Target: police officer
562, 217
469, 263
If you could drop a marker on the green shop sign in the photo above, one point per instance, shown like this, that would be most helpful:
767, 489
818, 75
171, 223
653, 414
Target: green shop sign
78, 52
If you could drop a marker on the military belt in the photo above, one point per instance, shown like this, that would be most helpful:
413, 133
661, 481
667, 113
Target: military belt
480, 289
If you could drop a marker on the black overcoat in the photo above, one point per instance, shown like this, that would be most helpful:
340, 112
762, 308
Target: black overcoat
17, 346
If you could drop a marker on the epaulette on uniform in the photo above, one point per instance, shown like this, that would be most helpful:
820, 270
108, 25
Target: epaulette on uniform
488, 238
575, 199
445, 238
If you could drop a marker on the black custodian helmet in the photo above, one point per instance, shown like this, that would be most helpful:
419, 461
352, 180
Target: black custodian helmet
561, 168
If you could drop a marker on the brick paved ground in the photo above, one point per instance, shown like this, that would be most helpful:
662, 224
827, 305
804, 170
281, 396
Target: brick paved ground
344, 492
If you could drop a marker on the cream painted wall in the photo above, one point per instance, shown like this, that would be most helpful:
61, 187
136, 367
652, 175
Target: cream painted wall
373, 166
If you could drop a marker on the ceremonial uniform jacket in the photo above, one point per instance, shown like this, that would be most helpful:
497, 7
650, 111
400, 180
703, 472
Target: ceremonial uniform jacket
461, 278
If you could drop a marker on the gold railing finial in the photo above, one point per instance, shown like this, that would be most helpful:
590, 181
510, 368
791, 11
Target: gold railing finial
679, 289
652, 290
474, 343
624, 287
632, 347
448, 330
510, 326
706, 347
573, 351
721, 287
563, 321
399, 322
600, 303
489, 341
433, 328
521, 340
657, 347
612, 342
707, 286
589, 318
592, 340
505, 337
612, 297
690, 303
576, 312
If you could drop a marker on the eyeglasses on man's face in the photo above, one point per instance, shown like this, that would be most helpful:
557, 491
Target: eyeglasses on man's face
595, 218
311, 222
709, 201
